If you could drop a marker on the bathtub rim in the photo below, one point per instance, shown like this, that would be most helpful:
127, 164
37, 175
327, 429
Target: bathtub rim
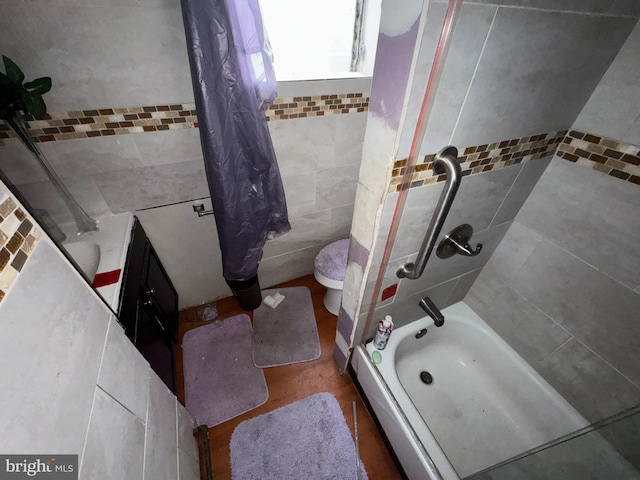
401, 400
438, 469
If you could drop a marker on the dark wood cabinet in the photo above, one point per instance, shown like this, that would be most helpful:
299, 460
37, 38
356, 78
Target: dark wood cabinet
149, 306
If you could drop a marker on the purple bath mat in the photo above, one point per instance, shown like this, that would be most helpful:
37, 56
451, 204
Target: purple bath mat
220, 379
307, 439
288, 333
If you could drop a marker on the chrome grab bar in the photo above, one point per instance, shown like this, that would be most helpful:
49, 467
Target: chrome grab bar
447, 160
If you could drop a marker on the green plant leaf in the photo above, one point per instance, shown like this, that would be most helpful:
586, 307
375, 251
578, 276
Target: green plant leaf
4, 80
9, 99
39, 86
12, 71
33, 104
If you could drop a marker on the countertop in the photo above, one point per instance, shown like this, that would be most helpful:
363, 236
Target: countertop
113, 238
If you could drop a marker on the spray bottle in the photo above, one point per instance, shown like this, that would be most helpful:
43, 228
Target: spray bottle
383, 333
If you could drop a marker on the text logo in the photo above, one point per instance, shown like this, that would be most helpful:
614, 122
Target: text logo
48, 467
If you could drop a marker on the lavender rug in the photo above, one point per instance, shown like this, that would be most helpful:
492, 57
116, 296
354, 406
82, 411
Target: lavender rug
220, 379
288, 333
308, 439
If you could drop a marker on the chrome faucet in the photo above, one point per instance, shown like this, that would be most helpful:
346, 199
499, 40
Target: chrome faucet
428, 306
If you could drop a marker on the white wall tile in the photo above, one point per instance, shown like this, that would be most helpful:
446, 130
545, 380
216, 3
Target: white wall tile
407, 310
597, 310
591, 385
300, 191
614, 105
57, 329
527, 329
288, 266
185, 425
169, 146
589, 214
312, 230
160, 453
477, 201
147, 187
350, 131
520, 190
467, 41
298, 88
520, 89
92, 156
115, 442
19, 164
141, 50
607, 7
336, 186
303, 145
43, 195
188, 467
124, 373
585, 456
632, 135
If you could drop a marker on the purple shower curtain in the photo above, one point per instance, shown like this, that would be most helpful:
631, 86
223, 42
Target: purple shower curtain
233, 83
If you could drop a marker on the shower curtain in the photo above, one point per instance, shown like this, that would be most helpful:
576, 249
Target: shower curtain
234, 83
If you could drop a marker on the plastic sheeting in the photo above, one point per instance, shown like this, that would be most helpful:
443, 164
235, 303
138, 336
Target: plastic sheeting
233, 83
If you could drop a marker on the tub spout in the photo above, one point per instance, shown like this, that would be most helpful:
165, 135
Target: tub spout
428, 306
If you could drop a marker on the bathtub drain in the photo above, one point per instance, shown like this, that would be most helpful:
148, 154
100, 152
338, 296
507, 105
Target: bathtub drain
426, 377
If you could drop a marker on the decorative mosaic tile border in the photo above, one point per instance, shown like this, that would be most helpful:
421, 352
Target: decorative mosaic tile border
123, 121
615, 158
481, 158
18, 238
109, 121
287, 108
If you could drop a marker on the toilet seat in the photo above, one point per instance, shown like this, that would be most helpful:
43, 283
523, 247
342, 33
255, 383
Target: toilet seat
328, 282
330, 269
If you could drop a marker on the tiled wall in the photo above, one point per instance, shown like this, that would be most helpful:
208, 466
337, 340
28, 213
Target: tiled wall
318, 155
500, 86
18, 238
612, 157
111, 174
105, 122
613, 109
563, 286
500, 80
78, 385
85, 46
108, 121
286, 108
479, 159
475, 205
488, 201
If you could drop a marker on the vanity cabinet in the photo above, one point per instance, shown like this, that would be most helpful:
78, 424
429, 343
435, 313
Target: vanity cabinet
149, 306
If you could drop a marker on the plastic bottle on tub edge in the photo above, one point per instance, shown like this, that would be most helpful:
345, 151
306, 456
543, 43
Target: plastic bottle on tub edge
383, 333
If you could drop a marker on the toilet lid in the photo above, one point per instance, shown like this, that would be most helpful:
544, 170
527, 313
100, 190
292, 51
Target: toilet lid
332, 260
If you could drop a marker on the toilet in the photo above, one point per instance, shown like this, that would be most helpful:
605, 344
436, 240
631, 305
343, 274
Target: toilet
330, 267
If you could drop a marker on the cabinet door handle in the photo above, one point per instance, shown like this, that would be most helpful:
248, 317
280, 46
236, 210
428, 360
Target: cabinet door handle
160, 324
149, 303
151, 291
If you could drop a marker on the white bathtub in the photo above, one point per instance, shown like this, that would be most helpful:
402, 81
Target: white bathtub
485, 405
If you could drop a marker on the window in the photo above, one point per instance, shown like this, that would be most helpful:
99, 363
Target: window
310, 38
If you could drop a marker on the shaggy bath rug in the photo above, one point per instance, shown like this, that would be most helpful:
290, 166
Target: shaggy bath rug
308, 439
288, 333
220, 379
